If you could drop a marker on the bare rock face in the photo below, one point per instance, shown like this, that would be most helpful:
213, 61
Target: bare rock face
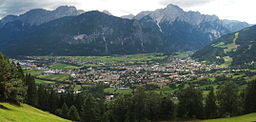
190, 29
91, 33
172, 13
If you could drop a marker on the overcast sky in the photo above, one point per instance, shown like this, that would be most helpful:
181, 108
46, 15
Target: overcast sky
243, 10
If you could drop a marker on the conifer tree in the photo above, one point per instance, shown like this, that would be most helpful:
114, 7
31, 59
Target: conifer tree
73, 113
43, 102
90, 111
228, 99
211, 109
250, 97
64, 111
31, 91
53, 101
167, 109
190, 103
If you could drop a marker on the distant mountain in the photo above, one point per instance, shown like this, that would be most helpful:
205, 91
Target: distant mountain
91, 33
40, 16
12, 27
130, 16
232, 49
65, 31
106, 12
234, 25
189, 30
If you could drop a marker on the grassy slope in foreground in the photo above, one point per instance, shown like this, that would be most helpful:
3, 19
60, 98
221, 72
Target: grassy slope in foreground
244, 118
26, 113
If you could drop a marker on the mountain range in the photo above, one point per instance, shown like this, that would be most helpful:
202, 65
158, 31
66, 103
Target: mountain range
68, 31
232, 49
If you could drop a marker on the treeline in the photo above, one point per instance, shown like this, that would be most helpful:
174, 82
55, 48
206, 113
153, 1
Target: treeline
141, 105
90, 105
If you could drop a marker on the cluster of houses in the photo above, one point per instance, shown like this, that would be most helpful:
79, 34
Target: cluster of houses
124, 76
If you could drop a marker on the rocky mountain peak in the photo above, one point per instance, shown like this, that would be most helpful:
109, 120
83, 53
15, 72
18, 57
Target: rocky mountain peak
169, 13
129, 16
106, 12
40, 16
174, 8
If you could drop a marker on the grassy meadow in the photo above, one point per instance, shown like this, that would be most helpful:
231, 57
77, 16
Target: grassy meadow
244, 118
26, 113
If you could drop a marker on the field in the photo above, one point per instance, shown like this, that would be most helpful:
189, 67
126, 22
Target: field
113, 91
183, 54
63, 66
120, 59
228, 60
230, 46
101, 60
55, 77
26, 113
243, 118
39, 81
34, 72
78, 87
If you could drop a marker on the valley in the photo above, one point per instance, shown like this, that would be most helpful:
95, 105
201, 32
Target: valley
160, 73
166, 63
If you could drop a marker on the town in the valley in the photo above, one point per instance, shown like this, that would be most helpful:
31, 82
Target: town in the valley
119, 74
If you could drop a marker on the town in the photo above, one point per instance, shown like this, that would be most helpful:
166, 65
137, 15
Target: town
157, 70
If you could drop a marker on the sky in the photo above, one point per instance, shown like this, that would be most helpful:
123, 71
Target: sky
242, 10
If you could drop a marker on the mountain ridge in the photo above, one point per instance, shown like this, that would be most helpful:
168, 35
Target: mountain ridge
170, 29
236, 48
40, 16
100, 34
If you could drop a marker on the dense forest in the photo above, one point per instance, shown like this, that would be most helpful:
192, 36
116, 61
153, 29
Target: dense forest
142, 105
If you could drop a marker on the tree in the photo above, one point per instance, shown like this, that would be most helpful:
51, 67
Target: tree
211, 109
53, 101
90, 111
228, 99
12, 85
43, 101
64, 111
119, 108
73, 113
167, 109
31, 91
105, 117
58, 112
69, 99
139, 103
79, 100
190, 103
152, 104
250, 97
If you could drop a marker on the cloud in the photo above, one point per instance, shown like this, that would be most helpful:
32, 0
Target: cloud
185, 3
227, 9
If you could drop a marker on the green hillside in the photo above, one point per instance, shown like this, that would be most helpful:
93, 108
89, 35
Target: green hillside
243, 118
233, 49
25, 113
